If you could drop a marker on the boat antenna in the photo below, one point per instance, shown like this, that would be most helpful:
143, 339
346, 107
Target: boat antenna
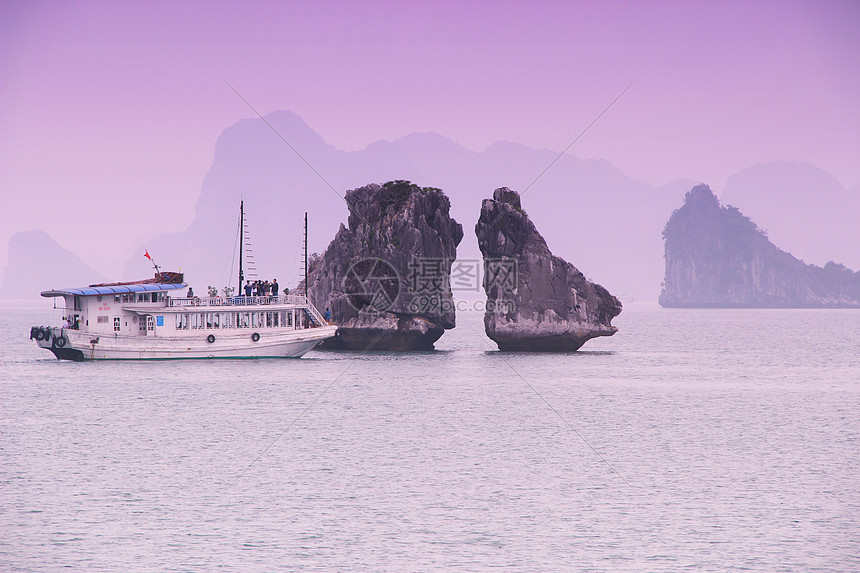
151, 260
241, 248
306, 253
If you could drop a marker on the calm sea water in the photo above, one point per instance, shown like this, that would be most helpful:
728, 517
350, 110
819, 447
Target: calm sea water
712, 440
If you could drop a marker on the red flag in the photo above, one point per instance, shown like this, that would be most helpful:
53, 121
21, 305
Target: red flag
146, 254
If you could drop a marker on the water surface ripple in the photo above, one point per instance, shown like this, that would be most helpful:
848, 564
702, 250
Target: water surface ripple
734, 435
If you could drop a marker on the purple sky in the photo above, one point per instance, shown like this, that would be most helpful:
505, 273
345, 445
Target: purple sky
109, 111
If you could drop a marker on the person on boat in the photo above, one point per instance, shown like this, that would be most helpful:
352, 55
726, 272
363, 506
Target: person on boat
190, 293
274, 287
248, 288
67, 323
327, 315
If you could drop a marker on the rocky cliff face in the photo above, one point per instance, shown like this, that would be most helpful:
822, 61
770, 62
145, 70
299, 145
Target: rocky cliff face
385, 277
717, 257
535, 300
37, 262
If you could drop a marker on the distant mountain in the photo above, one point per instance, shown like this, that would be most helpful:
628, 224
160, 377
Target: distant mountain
601, 220
37, 263
854, 193
717, 257
596, 217
804, 210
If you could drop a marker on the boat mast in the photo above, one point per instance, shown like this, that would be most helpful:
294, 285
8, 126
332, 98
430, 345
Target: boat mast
241, 243
306, 253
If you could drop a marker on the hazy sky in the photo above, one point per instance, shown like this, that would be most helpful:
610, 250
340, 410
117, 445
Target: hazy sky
109, 111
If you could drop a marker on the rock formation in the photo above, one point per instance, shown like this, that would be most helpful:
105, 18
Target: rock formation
37, 262
717, 257
535, 300
385, 278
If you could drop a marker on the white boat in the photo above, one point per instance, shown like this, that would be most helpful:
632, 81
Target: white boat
147, 320
144, 320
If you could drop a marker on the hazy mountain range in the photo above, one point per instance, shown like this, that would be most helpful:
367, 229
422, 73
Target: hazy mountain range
590, 213
37, 263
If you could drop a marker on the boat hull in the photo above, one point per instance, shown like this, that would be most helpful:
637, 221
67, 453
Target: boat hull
68, 344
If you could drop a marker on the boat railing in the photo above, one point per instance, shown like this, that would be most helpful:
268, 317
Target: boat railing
321, 321
296, 299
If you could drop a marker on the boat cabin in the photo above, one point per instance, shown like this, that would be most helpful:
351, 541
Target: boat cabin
122, 309
150, 308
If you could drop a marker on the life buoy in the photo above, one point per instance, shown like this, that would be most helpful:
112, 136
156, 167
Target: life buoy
210, 339
60, 341
255, 337
39, 335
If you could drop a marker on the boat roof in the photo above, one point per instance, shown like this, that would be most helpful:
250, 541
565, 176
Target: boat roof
161, 277
117, 289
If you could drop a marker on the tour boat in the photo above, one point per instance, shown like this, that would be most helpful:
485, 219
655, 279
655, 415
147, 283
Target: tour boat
152, 319
145, 319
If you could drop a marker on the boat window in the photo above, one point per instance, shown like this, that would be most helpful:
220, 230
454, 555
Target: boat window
101, 319
150, 323
275, 318
208, 320
116, 298
116, 323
